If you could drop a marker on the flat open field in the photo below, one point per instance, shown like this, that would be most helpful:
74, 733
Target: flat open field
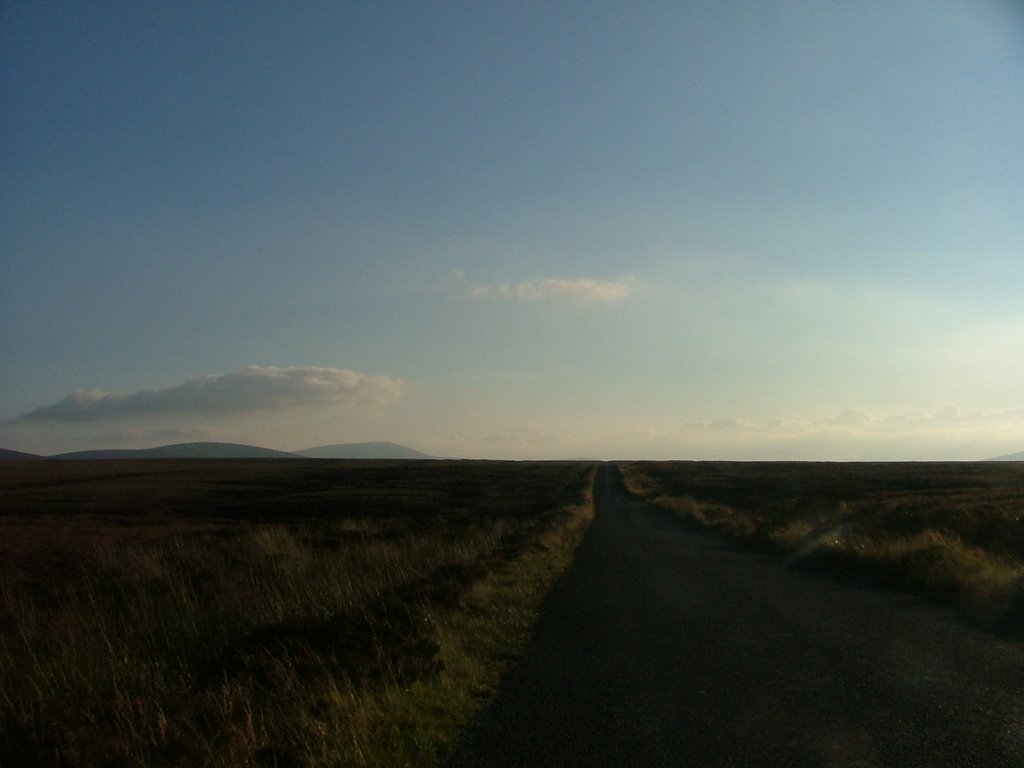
306, 613
266, 612
955, 528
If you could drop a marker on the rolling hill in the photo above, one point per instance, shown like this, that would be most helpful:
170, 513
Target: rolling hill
8, 455
1009, 457
211, 450
182, 451
379, 450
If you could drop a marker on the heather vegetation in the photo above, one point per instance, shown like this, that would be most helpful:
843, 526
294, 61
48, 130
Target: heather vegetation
953, 529
267, 613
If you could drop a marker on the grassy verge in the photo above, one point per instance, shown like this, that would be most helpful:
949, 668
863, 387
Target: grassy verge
268, 614
955, 530
416, 724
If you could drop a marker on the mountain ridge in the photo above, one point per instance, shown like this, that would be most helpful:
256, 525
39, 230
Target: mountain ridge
1008, 457
219, 450
6, 454
196, 450
371, 450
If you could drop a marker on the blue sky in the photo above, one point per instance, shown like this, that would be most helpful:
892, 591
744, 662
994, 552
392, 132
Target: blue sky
526, 230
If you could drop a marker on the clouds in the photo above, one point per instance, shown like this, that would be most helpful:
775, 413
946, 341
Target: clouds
941, 434
255, 388
851, 435
582, 289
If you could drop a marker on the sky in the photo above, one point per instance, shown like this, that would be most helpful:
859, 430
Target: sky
690, 230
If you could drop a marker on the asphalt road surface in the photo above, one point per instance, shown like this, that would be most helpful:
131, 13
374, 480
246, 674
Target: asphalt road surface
665, 647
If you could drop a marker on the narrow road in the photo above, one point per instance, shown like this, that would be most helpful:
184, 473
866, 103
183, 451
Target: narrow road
662, 647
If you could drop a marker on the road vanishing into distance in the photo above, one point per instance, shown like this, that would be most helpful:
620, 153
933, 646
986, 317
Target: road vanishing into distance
665, 647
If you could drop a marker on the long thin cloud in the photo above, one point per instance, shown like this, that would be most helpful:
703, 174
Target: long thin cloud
253, 388
945, 433
579, 289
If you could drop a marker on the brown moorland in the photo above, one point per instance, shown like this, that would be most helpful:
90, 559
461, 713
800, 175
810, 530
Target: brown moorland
267, 612
954, 529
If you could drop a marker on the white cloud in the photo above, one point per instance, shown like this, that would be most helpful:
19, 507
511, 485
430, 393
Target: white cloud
849, 417
581, 289
256, 388
945, 433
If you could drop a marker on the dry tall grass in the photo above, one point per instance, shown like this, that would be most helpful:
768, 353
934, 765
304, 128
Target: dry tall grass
361, 634
944, 528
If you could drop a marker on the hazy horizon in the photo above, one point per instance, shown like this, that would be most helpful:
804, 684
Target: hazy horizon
696, 231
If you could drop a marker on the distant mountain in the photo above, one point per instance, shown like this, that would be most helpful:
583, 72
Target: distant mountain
232, 451
183, 451
1009, 457
362, 451
8, 455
